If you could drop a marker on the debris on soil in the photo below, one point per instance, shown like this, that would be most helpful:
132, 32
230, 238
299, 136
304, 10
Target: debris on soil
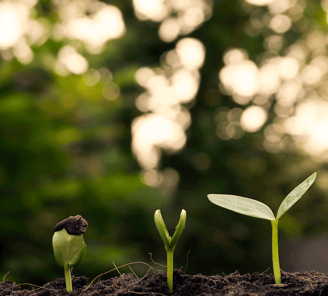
75, 225
299, 283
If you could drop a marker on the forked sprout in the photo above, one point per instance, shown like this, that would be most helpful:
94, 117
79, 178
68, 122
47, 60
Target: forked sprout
254, 208
169, 242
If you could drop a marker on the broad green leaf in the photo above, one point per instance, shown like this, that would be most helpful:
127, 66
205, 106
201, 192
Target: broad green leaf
242, 205
295, 195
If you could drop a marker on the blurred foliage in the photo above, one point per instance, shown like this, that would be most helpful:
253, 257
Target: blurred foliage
65, 150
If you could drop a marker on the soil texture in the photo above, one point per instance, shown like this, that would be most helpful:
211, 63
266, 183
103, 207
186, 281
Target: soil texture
298, 283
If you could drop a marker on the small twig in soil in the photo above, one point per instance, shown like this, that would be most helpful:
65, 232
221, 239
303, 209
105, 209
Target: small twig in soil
265, 270
133, 272
139, 279
119, 273
151, 258
187, 261
116, 269
3, 279
126, 286
39, 287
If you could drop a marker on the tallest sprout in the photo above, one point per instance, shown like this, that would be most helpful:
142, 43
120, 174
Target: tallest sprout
254, 208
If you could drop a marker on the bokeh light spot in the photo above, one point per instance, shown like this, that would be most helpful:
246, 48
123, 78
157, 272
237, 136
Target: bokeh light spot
95, 30
281, 23
169, 29
235, 56
191, 53
241, 79
151, 132
72, 60
309, 127
143, 75
259, 2
288, 67
154, 10
13, 17
253, 118
311, 74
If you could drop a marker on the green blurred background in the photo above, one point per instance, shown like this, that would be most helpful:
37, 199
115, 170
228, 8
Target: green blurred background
114, 109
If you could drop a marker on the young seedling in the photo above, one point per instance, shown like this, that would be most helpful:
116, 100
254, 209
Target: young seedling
170, 242
254, 208
69, 246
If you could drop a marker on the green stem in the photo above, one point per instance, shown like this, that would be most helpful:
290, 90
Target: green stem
170, 269
275, 252
68, 278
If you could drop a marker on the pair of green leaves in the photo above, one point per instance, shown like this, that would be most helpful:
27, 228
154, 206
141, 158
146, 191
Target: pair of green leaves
254, 208
169, 241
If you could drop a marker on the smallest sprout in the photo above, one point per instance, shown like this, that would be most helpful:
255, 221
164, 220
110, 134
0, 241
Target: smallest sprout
170, 242
69, 246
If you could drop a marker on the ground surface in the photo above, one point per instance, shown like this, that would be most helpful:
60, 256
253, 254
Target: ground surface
299, 283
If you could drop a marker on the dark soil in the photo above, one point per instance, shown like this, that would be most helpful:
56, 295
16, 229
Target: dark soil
299, 283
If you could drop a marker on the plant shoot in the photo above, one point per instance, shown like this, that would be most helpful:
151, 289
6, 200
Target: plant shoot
254, 208
69, 246
169, 242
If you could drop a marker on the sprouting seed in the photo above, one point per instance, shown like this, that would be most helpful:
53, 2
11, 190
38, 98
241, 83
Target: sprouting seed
169, 242
254, 208
69, 246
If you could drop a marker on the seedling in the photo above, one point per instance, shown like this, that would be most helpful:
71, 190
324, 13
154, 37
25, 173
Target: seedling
170, 242
69, 246
254, 208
